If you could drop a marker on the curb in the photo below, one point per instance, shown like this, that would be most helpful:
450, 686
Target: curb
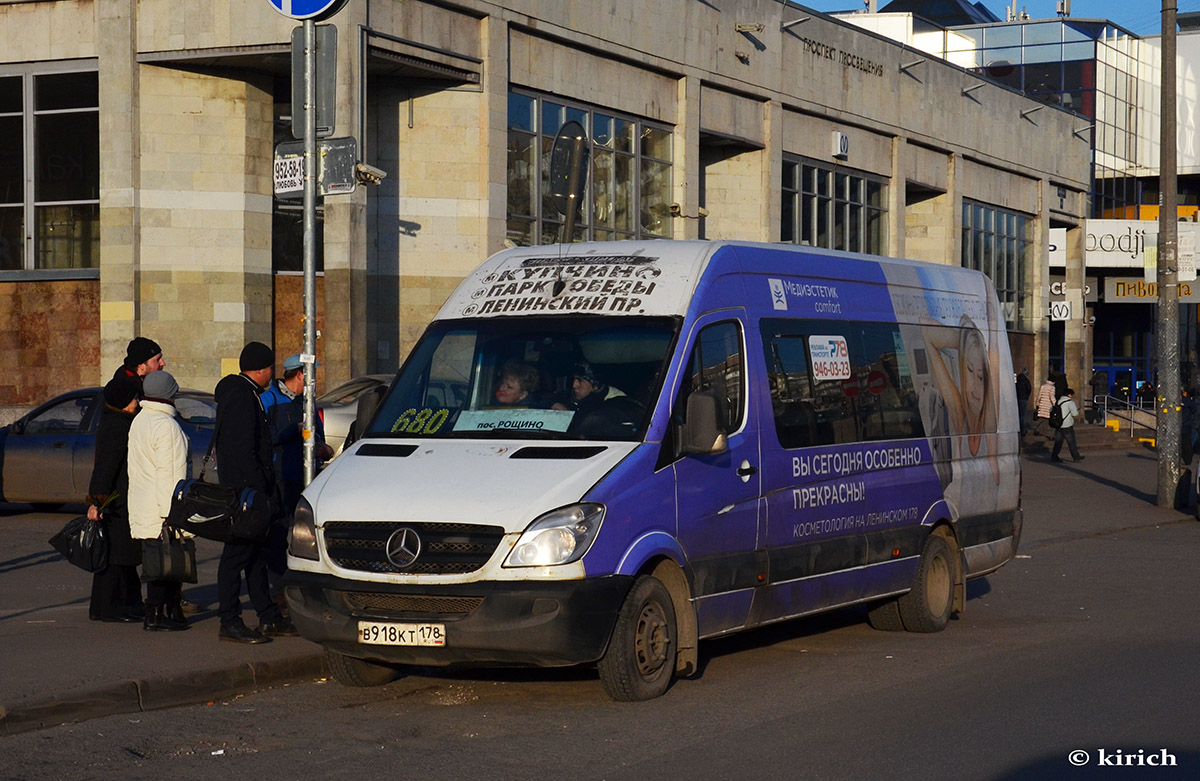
168, 691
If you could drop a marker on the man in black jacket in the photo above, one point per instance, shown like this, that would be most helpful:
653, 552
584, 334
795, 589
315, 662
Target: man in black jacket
244, 460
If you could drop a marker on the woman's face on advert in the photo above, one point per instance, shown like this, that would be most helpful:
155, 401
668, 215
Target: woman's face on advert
974, 378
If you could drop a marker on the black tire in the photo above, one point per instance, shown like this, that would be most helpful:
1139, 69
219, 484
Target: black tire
46, 507
930, 603
352, 671
885, 616
640, 660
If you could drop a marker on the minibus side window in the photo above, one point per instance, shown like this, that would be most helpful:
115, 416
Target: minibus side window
716, 363
876, 401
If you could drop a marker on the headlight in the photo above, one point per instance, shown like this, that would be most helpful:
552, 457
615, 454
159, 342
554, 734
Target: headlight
302, 540
558, 537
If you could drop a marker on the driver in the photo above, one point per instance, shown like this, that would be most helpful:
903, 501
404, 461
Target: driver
587, 392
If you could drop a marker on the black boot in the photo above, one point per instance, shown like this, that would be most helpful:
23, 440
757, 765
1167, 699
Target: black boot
155, 616
175, 614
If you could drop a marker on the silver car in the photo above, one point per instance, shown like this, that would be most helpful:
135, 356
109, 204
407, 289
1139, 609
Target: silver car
46, 457
338, 407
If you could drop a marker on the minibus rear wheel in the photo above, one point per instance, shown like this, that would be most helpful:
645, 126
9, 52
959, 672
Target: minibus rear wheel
640, 659
930, 603
352, 671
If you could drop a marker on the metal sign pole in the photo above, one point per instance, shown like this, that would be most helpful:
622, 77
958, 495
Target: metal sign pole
310, 265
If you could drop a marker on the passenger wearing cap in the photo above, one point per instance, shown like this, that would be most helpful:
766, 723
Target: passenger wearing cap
283, 401
587, 391
245, 459
116, 589
157, 461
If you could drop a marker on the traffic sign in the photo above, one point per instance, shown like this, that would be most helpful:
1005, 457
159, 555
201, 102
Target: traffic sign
876, 382
308, 9
325, 80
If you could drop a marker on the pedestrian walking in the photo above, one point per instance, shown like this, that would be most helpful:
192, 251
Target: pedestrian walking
157, 461
116, 589
1045, 400
1066, 432
1024, 391
245, 459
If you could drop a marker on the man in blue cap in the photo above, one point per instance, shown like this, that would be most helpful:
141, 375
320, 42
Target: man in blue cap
283, 401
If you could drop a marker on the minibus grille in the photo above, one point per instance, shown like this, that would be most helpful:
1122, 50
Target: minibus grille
411, 603
445, 548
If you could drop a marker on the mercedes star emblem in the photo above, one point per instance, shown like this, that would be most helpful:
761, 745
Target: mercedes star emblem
403, 548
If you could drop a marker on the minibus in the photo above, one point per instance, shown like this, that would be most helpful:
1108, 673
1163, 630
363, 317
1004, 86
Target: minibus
604, 453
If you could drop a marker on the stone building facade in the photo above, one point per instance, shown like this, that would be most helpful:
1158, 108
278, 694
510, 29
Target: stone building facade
146, 131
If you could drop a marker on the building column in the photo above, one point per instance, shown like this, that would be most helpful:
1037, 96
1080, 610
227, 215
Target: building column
1076, 331
688, 171
897, 200
772, 171
120, 96
343, 340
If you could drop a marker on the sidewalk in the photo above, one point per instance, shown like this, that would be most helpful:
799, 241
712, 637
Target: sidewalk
60, 667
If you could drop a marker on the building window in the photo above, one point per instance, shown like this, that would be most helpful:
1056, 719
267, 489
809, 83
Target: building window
996, 242
628, 192
835, 208
49, 170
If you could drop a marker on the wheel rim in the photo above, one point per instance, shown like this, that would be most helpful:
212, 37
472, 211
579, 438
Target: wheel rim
652, 640
937, 590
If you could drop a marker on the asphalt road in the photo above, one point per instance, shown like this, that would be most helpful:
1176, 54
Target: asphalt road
1087, 643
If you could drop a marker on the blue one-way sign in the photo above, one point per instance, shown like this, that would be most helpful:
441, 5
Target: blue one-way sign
308, 9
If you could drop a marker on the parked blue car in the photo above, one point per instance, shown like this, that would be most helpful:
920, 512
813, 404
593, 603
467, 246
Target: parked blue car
46, 457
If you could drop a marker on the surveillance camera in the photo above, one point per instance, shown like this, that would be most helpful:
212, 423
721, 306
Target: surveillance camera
369, 174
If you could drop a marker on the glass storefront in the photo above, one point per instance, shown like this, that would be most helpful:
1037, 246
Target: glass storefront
49, 169
996, 241
628, 192
834, 208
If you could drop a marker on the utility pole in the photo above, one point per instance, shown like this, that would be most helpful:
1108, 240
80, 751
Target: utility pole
1168, 396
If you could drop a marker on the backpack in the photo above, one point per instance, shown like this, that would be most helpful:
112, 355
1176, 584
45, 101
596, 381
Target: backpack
1056, 415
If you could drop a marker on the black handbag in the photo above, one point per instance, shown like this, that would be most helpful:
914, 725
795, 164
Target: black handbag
218, 513
84, 543
170, 556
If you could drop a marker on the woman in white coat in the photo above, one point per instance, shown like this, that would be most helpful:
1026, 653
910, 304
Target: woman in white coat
158, 460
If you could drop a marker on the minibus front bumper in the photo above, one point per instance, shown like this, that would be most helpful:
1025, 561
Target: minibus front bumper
527, 623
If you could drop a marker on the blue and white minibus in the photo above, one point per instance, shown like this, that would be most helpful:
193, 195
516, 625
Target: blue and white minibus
607, 452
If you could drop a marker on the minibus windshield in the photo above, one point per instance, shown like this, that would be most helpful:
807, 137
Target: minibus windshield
558, 377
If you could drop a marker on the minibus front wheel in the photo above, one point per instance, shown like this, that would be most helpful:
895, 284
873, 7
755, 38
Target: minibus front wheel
640, 659
352, 671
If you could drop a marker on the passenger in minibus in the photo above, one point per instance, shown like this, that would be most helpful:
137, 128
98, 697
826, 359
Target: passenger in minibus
517, 382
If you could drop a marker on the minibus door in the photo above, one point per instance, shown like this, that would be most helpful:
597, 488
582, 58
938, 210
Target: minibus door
718, 494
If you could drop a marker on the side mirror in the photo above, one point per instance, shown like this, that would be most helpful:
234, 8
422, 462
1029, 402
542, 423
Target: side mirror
18, 427
702, 435
364, 411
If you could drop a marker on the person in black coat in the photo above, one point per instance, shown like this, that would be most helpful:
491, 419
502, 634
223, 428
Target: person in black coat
1024, 391
245, 460
116, 589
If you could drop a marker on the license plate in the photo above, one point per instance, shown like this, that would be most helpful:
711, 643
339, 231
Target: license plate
378, 633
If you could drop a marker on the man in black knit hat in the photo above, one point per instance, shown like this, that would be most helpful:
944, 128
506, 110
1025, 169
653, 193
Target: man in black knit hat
245, 460
142, 356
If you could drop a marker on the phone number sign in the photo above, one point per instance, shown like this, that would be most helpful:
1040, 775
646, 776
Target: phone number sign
830, 357
308, 9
